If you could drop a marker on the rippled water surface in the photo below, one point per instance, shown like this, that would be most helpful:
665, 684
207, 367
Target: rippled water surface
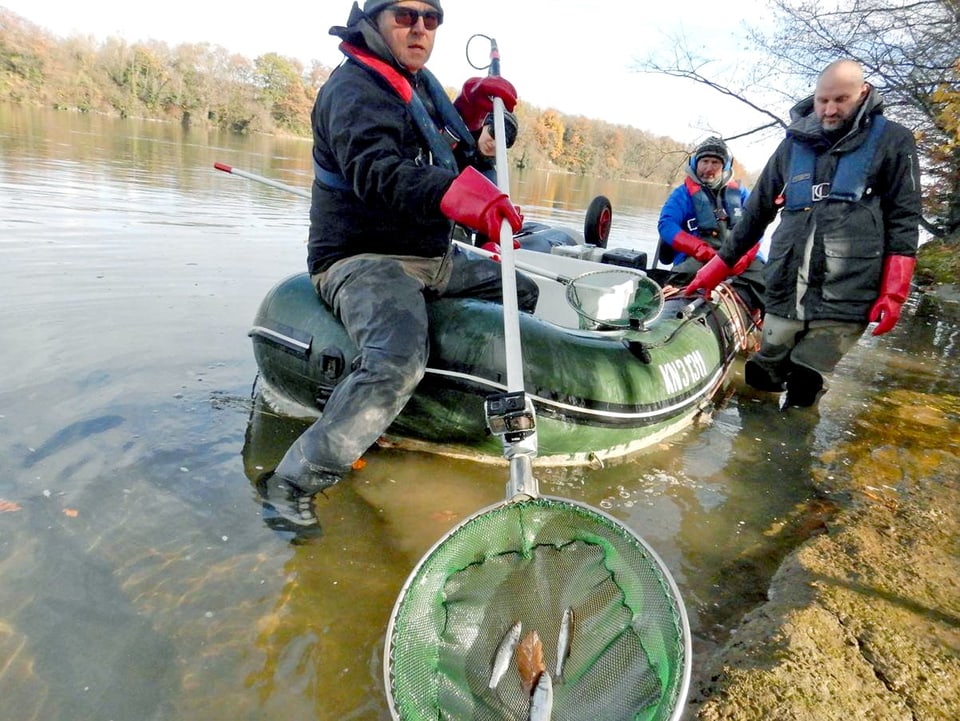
137, 579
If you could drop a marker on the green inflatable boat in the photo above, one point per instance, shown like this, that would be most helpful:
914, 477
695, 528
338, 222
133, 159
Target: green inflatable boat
601, 388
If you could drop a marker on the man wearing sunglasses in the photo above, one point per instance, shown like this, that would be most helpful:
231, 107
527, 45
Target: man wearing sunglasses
397, 165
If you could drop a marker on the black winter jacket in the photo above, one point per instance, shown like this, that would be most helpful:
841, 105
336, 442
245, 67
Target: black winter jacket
364, 132
825, 261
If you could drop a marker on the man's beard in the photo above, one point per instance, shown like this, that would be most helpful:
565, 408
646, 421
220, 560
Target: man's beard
838, 126
714, 182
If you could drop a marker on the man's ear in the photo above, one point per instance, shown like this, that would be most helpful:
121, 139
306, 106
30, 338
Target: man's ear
865, 90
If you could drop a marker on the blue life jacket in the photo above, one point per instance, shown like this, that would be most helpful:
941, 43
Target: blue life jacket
440, 142
705, 222
849, 179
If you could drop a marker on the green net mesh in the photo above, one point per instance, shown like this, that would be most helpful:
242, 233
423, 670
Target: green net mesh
529, 561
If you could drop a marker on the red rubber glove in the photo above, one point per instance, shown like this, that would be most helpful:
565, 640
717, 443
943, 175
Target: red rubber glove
894, 289
692, 245
479, 204
744, 263
476, 99
709, 276
494, 248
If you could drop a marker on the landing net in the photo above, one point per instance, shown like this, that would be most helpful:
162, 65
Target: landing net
530, 561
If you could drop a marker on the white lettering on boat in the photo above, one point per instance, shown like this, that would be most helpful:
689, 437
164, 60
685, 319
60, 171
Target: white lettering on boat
683, 372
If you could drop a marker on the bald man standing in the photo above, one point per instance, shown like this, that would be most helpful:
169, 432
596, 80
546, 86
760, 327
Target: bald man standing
846, 182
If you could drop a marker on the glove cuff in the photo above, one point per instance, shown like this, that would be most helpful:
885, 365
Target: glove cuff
472, 115
685, 242
897, 272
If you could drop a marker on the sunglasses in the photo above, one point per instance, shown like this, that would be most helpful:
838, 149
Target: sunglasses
407, 17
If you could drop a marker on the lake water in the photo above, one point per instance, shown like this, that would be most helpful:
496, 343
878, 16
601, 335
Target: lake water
137, 579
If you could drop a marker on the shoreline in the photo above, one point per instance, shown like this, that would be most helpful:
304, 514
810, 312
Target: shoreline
862, 620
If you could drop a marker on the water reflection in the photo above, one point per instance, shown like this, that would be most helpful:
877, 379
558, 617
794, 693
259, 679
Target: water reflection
767, 504
722, 504
318, 643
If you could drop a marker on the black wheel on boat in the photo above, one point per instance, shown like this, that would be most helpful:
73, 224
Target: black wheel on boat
596, 223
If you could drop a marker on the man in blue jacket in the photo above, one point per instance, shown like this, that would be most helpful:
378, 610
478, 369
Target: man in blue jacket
846, 183
698, 216
396, 166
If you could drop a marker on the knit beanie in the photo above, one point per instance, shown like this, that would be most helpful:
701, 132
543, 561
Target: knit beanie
372, 7
713, 148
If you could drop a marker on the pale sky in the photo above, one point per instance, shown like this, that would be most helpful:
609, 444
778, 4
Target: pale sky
571, 55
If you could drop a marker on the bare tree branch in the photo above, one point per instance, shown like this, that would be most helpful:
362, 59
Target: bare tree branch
910, 51
755, 130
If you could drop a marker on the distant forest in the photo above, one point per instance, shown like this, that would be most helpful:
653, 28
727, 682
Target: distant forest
207, 84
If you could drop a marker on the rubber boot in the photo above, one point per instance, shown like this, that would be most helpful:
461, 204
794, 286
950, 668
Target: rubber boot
297, 469
757, 376
804, 388
287, 493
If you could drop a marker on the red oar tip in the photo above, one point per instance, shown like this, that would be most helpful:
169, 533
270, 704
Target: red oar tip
224, 167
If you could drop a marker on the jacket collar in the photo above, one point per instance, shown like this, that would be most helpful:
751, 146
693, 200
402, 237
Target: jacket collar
362, 33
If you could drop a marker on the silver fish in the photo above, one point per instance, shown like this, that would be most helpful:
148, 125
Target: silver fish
563, 640
541, 703
501, 659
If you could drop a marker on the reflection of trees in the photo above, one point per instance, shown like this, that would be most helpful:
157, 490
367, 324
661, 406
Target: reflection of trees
781, 466
920, 353
937, 329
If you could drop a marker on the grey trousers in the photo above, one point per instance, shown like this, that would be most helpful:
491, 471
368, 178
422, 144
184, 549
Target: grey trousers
817, 345
382, 303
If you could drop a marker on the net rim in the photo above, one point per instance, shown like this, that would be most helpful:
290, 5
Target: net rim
674, 592
639, 274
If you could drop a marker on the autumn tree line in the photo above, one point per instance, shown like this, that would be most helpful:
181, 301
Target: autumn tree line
203, 83
910, 50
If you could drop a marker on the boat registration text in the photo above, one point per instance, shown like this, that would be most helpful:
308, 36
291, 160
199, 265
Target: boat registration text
683, 372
